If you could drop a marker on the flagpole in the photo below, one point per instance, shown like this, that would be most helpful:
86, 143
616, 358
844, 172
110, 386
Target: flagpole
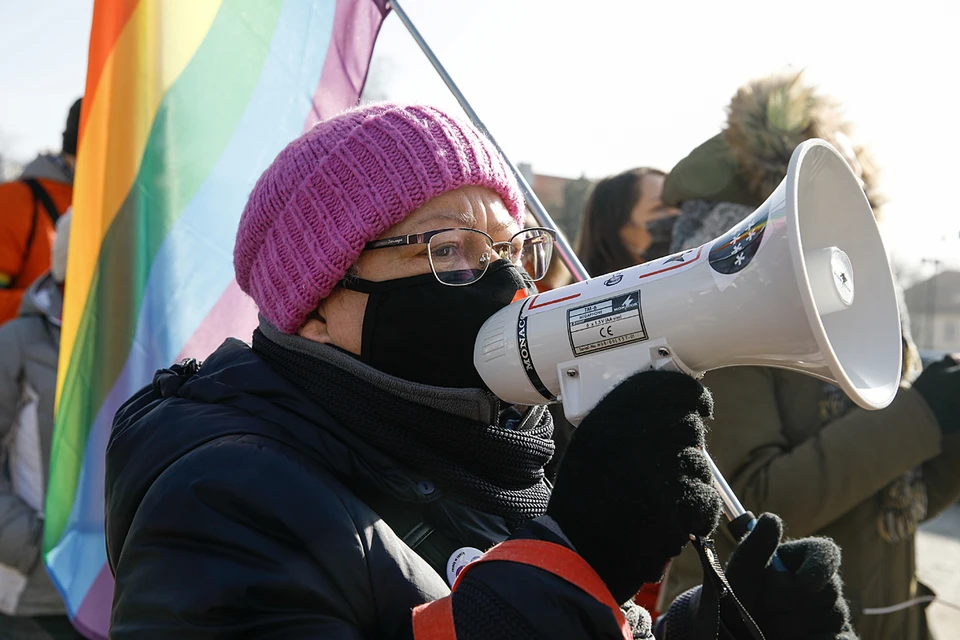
569, 258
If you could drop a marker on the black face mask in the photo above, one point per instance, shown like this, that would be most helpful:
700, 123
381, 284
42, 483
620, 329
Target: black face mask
421, 330
661, 236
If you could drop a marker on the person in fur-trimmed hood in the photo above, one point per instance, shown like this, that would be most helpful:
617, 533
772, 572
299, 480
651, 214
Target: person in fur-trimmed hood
791, 444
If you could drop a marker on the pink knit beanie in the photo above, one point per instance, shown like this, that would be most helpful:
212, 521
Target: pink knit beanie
342, 184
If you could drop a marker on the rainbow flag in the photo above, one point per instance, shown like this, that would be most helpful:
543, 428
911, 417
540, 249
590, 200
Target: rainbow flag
186, 103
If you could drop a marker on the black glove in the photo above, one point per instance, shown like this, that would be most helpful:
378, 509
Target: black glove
804, 602
939, 384
634, 482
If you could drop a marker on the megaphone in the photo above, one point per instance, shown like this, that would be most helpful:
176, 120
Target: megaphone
803, 283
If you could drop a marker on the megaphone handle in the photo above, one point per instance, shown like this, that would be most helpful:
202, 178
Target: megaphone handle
741, 521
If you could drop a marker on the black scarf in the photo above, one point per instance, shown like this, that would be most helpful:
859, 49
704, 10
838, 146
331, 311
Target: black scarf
495, 469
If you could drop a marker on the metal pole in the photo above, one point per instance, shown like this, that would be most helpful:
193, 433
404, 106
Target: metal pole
731, 503
569, 258
732, 506
929, 334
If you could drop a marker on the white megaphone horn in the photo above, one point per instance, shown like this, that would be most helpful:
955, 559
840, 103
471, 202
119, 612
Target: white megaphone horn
803, 283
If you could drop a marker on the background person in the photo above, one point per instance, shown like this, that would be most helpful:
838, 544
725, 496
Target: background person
789, 443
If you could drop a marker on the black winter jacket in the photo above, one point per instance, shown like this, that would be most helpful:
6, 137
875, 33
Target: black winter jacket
234, 509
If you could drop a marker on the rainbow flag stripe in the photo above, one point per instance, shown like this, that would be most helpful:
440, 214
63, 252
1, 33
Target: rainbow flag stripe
187, 102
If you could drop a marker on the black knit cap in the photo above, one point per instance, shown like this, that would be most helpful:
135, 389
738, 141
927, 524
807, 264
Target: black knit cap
72, 131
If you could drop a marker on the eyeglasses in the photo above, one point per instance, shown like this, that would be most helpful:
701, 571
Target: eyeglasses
459, 257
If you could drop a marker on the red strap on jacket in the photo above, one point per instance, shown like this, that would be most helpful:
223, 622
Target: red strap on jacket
434, 620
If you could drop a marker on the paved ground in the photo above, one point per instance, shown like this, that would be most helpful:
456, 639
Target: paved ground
938, 556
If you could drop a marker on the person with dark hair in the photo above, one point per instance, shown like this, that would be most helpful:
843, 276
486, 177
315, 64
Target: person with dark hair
625, 223
792, 444
29, 209
339, 476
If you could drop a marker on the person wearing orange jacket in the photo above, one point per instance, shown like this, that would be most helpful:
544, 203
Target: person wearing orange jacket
29, 209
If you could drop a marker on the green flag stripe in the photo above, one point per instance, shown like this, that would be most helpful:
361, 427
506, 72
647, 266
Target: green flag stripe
194, 123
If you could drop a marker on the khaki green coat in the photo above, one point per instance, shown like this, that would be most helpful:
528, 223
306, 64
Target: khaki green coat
769, 441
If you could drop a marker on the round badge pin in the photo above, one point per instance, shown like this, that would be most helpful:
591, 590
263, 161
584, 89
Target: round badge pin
460, 559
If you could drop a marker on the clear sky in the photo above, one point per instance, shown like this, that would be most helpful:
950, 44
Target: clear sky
597, 87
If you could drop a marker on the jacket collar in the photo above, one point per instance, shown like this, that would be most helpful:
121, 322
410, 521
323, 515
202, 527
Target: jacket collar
473, 404
234, 375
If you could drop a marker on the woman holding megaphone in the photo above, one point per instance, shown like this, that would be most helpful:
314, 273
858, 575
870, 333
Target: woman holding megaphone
340, 476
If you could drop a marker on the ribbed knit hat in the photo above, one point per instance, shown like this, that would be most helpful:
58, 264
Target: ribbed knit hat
341, 185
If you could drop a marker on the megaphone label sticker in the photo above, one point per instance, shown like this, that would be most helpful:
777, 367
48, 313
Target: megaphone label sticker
606, 324
734, 250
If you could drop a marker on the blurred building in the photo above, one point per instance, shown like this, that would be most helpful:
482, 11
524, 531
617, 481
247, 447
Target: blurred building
563, 198
934, 306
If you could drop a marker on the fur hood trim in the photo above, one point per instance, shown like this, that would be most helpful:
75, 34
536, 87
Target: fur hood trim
767, 119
